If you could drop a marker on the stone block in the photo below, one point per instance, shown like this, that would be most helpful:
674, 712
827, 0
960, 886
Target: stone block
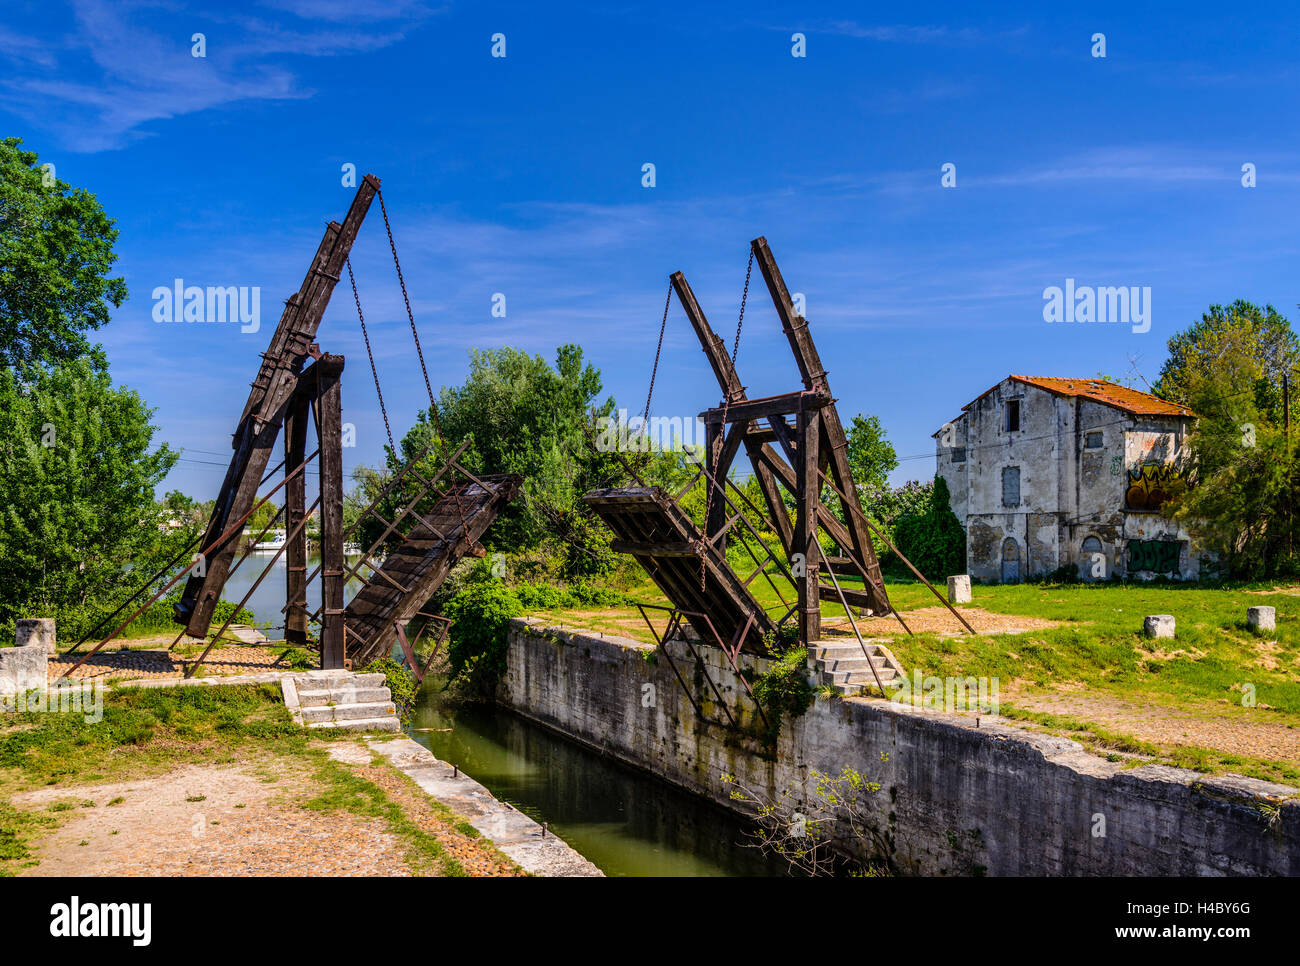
1159, 625
22, 669
36, 632
1261, 618
959, 589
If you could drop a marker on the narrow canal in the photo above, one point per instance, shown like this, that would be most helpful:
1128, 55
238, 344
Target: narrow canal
625, 821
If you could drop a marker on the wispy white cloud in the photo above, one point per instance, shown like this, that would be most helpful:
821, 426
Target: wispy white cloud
942, 35
132, 62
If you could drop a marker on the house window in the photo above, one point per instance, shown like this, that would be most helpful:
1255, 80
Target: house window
1088, 569
1092, 440
1011, 486
959, 454
1012, 420
1010, 561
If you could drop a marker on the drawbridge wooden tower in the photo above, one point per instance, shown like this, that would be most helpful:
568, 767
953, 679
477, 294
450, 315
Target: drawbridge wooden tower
796, 445
296, 386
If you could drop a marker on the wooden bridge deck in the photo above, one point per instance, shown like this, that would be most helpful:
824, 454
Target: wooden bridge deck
415, 569
650, 526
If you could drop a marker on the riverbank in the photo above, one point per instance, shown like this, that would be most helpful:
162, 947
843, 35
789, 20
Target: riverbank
217, 780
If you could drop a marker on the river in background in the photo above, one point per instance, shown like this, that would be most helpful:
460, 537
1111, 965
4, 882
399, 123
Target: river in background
269, 597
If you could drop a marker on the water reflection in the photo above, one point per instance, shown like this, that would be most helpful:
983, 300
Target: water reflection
626, 822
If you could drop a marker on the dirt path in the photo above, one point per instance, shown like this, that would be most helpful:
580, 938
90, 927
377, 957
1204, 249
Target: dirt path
211, 820
937, 620
1160, 725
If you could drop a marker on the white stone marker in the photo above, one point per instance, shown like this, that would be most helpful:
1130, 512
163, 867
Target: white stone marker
36, 632
959, 589
1261, 618
1159, 625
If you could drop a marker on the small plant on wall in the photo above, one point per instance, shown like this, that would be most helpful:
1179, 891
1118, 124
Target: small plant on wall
802, 828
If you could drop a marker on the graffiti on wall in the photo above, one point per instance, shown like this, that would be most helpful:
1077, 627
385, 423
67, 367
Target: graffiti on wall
1156, 556
1151, 484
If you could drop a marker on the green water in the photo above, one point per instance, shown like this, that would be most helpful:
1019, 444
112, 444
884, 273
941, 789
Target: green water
623, 820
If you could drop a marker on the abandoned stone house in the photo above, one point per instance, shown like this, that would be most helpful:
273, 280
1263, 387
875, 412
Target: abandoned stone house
1048, 472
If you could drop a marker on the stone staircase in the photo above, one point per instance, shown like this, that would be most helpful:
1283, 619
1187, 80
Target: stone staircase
842, 665
340, 699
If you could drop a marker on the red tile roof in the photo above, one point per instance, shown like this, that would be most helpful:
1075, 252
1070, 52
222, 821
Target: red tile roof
1098, 390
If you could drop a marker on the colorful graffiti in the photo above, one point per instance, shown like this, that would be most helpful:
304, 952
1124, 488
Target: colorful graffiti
1151, 485
1156, 556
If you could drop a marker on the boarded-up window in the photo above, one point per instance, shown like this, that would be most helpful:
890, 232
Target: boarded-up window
1092, 441
1011, 486
959, 454
1092, 560
1012, 416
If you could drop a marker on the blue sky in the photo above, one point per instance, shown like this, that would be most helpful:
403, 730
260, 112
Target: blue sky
523, 176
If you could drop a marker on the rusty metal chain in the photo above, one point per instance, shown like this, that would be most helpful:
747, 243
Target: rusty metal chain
433, 405
369, 354
407, 300
654, 371
712, 483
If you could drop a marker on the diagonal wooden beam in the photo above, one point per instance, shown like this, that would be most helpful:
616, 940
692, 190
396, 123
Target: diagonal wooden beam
259, 426
832, 442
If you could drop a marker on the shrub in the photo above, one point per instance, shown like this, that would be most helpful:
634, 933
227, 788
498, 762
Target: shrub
783, 689
480, 616
401, 683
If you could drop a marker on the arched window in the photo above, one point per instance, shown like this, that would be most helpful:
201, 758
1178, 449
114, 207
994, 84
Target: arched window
1010, 561
1087, 569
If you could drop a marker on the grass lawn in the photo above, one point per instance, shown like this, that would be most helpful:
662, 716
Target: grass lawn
1094, 676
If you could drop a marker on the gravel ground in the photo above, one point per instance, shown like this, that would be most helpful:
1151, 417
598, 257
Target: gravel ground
240, 820
937, 620
208, 821
160, 663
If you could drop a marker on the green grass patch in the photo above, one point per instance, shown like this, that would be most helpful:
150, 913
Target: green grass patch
346, 791
146, 730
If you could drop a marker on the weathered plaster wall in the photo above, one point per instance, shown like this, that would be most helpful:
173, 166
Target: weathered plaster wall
955, 799
1037, 449
1069, 491
950, 442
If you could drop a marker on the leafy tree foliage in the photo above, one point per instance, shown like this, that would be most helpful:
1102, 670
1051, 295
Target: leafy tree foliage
871, 456
1228, 369
929, 534
56, 249
79, 523
521, 415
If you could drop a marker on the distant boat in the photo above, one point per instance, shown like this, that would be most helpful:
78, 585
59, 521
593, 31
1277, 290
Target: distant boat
277, 542
352, 550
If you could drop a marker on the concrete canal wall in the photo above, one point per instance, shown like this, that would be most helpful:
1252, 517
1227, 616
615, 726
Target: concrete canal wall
955, 799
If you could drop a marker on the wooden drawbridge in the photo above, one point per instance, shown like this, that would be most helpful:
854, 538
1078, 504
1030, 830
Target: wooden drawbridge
409, 575
648, 524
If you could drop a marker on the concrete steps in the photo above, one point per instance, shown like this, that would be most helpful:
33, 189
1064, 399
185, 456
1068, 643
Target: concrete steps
340, 699
849, 671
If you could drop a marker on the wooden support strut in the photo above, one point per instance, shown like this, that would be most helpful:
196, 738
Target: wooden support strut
761, 455
833, 442
260, 421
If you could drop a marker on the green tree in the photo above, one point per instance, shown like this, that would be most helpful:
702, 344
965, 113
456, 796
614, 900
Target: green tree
79, 522
1228, 369
871, 456
929, 534
521, 415
56, 249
